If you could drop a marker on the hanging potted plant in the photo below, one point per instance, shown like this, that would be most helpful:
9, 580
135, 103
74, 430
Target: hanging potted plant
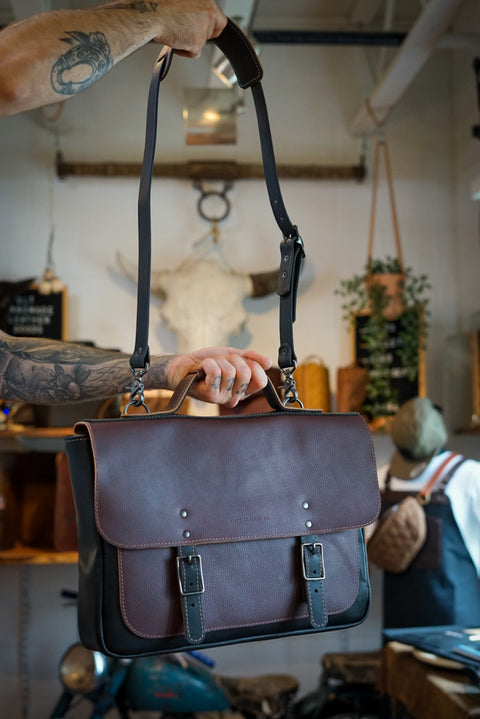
383, 332
387, 307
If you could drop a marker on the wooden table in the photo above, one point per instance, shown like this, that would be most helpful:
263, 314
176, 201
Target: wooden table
426, 692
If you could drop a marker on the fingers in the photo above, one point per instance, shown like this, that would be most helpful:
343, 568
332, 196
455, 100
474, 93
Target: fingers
231, 378
230, 374
190, 24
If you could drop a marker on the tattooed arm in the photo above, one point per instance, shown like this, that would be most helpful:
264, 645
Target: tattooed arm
40, 371
51, 56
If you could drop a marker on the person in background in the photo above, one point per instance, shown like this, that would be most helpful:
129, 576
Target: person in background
52, 56
441, 586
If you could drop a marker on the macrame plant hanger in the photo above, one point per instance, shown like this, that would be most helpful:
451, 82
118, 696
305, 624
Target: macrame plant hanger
391, 280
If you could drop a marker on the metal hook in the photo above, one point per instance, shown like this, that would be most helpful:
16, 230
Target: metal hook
290, 394
137, 389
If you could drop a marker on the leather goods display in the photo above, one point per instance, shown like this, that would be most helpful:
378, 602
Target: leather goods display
313, 383
64, 524
402, 529
351, 388
203, 531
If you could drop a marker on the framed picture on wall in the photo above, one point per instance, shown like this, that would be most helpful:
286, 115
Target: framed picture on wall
34, 314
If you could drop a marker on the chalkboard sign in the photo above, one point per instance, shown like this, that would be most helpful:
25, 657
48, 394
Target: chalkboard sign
32, 314
402, 386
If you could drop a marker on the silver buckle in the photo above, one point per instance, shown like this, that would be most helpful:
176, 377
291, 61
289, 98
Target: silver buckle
313, 546
189, 558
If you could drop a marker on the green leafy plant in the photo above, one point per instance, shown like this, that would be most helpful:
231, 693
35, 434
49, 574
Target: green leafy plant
367, 295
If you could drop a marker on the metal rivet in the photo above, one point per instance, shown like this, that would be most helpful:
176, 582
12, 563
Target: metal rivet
308, 524
305, 505
183, 513
186, 534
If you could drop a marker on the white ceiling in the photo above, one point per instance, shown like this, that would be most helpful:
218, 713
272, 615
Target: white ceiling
427, 24
271, 14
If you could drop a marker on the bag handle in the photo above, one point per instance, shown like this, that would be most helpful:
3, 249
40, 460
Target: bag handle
186, 383
241, 54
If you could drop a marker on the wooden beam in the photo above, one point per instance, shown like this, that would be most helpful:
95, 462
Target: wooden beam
423, 38
228, 171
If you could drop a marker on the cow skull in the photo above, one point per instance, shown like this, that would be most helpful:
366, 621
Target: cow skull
203, 299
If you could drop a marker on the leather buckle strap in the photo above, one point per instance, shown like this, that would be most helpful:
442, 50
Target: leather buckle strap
313, 569
192, 586
292, 255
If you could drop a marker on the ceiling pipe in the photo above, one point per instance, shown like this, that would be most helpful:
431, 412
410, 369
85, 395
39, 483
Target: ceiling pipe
329, 37
422, 39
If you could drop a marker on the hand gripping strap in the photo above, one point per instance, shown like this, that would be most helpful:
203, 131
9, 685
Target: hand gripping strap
239, 51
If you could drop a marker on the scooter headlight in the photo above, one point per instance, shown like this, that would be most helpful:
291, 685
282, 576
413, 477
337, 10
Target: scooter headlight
82, 670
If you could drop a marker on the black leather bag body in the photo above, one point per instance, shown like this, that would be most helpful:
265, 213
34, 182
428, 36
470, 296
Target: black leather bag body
203, 531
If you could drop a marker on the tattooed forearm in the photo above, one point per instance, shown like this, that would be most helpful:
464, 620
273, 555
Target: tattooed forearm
87, 60
47, 372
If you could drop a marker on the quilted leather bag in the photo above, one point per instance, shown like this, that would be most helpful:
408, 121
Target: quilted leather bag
203, 531
402, 529
399, 537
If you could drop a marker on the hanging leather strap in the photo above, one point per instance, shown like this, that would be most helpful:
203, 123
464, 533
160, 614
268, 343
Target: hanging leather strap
248, 70
381, 148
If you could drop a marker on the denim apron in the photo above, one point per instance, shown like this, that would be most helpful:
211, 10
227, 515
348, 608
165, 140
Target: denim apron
441, 585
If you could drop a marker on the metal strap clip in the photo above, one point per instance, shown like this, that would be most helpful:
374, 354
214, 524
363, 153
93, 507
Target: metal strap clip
137, 389
290, 393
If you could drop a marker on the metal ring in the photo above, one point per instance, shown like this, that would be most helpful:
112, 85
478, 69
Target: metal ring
213, 193
135, 403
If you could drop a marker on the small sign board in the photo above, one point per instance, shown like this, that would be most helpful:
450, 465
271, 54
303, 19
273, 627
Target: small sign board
33, 314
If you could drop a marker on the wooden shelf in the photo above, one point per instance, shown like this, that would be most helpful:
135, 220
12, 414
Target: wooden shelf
36, 555
21, 438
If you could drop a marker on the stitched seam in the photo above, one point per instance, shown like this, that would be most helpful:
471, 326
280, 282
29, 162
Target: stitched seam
225, 540
252, 55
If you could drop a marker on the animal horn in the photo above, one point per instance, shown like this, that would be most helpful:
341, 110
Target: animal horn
264, 283
130, 270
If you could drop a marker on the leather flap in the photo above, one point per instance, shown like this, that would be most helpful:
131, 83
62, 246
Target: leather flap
173, 480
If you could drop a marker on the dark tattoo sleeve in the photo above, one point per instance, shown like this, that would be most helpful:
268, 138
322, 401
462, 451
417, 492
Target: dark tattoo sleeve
47, 372
85, 62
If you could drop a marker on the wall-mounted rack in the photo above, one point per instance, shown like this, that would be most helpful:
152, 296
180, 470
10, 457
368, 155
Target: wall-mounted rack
228, 171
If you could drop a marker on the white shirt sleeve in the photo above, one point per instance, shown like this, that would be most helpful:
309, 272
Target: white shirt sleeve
463, 491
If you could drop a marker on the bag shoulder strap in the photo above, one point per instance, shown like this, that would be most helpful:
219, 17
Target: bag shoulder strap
425, 493
244, 61
436, 478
